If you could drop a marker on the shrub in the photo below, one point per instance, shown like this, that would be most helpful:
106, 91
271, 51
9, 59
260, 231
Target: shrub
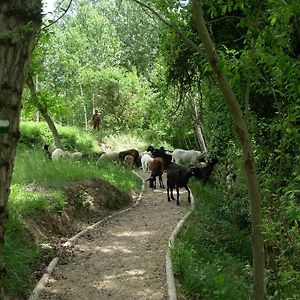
212, 254
34, 135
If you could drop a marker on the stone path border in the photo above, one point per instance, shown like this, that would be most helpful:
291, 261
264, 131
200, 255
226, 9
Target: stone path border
42, 282
169, 268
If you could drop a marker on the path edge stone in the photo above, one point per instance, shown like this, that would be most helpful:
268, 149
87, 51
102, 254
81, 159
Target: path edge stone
169, 267
43, 281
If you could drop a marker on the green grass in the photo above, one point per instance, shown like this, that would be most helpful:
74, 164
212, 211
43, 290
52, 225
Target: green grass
25, 200
32, 167
211, 256
138, 139
123, 141
19, 257
34, 135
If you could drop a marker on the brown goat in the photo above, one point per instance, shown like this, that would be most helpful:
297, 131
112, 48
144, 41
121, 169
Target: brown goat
133, 152
157, 168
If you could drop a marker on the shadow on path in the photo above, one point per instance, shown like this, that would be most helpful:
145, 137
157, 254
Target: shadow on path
123, 258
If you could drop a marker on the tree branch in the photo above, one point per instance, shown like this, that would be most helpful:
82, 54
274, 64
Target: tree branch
246, 145
173, 27
64, 10
224, 18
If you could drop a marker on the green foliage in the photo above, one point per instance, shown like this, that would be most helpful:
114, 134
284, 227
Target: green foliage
258, 43
19, 256
55, 174
212, 255
24, 201
138, 32
34, 135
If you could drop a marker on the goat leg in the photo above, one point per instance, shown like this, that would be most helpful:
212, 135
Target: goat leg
172, 197
161, 183
168, 188
189, 194
177, 190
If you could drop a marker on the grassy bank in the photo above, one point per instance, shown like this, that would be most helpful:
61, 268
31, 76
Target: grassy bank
37, 187
212, 254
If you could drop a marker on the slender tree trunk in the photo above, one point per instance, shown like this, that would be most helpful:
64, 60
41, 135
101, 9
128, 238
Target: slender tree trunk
43, 111
37, 116
85, 116
200, 138
198, 129
84, 109
249, 163
19, 23
94, 98
37, 113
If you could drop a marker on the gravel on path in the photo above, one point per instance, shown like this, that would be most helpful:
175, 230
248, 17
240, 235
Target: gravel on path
124, 257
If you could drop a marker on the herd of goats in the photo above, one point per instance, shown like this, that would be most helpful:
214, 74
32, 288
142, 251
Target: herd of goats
157, 161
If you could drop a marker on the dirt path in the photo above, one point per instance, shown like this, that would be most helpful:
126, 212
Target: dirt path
123, 258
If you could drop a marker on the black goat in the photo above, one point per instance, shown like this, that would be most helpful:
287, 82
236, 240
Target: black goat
178, 177
160, 152
204, 173
46, 151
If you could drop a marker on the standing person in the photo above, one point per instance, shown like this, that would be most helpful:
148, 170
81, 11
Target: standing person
96, 119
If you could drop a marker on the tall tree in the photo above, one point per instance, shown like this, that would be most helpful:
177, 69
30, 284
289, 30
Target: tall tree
249, 162
43, 110
242, 131
20, 22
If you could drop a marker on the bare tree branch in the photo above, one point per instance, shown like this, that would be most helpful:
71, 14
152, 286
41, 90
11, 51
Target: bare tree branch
224, 18
173, 27
64, 12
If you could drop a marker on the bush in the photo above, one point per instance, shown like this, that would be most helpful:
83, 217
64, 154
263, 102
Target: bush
34, 135
212, 255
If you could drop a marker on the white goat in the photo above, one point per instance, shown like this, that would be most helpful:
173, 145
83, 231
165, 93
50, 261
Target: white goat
193, 157
76, 155
112, 156
58, 154
146, 161
128, 160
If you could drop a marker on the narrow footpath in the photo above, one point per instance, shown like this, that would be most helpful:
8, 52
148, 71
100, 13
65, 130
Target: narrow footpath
124, 257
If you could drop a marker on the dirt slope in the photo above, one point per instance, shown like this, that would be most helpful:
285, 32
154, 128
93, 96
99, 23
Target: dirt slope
123, 258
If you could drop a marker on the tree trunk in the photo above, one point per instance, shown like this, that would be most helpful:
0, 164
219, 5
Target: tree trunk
200, 138
250, 167
198, 129
85, 116
37, 116
43, 111
19, 22
84, 109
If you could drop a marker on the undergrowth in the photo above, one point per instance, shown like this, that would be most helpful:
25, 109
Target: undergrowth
34, 135
212, 255
19, 257
36, 186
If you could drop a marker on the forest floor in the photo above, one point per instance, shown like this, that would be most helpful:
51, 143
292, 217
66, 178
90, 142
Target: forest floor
123, 257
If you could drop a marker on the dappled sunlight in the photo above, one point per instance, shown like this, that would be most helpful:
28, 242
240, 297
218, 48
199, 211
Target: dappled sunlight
133, 233
124, 141
112, 249
131, 273
161, 191
125, 257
